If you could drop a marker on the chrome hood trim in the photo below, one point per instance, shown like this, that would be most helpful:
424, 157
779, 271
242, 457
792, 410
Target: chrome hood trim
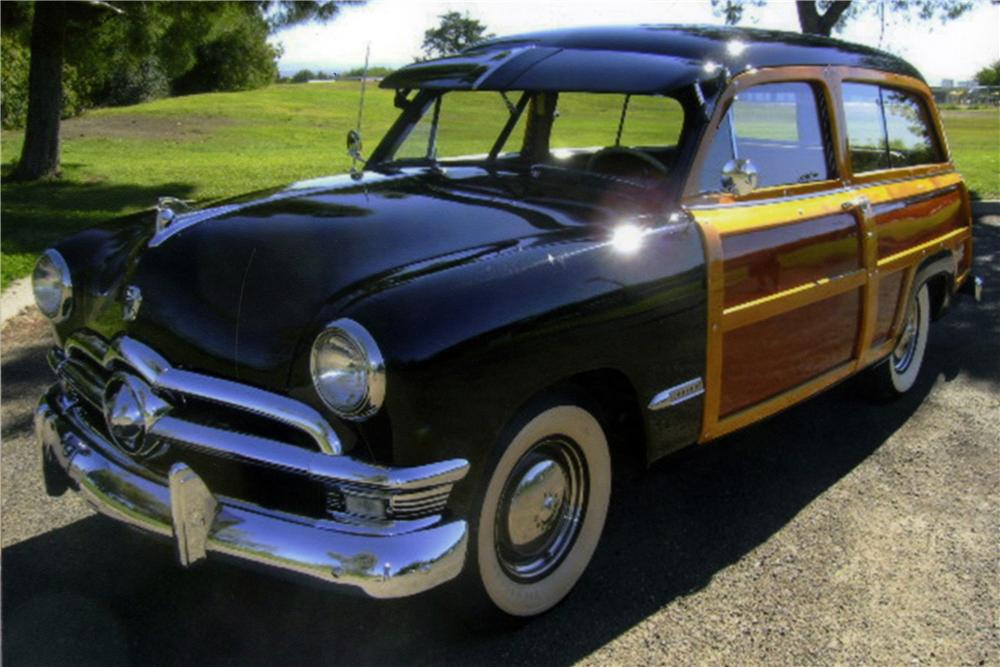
178, 220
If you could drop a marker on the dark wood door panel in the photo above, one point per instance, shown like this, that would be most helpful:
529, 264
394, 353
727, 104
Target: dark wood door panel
909, 222
889, 285
768, 357
767, 261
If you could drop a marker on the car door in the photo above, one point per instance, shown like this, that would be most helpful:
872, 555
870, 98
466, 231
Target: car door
897, 159
788, 261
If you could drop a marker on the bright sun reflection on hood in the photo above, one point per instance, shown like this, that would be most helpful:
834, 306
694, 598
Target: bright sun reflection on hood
627, 238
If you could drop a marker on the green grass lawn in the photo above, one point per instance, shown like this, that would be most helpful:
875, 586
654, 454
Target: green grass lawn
202, 147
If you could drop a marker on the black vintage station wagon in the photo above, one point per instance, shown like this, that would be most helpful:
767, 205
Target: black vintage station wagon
419, 372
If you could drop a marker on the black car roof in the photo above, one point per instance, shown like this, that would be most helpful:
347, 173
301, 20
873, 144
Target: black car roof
633, 59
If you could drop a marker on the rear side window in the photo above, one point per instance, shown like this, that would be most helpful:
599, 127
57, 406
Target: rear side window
778, 127
886, 128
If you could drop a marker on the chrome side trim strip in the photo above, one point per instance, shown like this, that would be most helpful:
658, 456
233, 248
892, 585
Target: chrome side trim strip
677, 394
158, 372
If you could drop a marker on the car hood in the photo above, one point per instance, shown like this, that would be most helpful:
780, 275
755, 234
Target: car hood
235, 287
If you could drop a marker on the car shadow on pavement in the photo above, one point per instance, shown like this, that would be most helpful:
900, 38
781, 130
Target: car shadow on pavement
94, 592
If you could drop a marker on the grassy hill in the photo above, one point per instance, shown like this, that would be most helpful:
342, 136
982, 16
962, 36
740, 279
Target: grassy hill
201, 147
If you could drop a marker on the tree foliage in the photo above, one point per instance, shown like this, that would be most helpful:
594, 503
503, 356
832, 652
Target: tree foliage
989, 75
823, 17
454, 33
95, 52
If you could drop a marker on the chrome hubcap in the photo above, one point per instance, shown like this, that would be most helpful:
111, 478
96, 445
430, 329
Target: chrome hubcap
540, 510
905, 349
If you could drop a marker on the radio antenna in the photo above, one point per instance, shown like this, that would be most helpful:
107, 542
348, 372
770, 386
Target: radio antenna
364, 79
354, 137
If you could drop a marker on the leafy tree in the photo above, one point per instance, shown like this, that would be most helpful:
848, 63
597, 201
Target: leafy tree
989, 75
822, 17
454, 33
240, 59
100, 39
303, 75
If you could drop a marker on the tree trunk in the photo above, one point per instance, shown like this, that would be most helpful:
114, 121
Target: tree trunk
814, 23
40, 153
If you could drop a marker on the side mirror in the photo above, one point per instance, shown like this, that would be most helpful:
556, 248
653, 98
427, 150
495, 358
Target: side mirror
739, 177
354, 144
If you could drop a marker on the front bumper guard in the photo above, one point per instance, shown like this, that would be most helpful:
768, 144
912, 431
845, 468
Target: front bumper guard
381, 561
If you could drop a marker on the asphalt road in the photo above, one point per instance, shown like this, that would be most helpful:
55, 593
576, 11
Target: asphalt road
836, 533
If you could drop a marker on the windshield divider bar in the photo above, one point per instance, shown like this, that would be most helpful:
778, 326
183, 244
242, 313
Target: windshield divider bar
621, 121
515, 114
432, 139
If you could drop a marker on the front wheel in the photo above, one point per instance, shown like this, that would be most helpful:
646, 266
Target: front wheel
543, 510
897, 374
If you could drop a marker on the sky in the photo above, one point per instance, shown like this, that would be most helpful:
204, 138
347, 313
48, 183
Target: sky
395, 28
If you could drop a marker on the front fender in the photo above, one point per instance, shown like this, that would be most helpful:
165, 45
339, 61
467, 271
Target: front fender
468, 342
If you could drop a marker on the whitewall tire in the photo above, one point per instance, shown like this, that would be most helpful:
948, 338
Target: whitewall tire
543, 510
898, 373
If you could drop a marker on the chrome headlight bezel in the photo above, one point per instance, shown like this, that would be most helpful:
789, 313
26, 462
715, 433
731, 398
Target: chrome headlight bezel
367, 369
52, 268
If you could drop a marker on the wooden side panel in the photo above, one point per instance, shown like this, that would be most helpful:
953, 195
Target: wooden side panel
889, 286
765, 358
901, 225
764, 262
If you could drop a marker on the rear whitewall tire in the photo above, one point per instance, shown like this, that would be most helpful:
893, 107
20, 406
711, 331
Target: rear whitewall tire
908, 355
586, 447
897, 374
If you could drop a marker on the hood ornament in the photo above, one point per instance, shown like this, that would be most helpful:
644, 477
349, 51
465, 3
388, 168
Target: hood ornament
132, 303
167, 209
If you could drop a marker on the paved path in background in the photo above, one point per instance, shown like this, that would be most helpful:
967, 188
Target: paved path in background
837, 532
16, 299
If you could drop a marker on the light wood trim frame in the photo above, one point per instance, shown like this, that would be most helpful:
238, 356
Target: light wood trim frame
750, 312
908, 256
784, 400
800, 202
713, 344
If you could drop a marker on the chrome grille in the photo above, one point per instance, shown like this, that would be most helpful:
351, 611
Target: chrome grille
88, 361
227, 425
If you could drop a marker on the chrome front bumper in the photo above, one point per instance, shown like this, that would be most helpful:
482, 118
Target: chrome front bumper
389, 560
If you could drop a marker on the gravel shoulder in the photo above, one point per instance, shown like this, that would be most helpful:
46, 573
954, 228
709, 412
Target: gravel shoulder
835, 533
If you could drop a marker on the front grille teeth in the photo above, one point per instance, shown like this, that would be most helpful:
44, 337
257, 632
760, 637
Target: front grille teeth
400, 506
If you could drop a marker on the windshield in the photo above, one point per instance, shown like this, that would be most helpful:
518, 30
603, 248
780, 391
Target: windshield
625, 135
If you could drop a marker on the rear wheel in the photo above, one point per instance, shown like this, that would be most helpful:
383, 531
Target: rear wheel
898, 373
542, 511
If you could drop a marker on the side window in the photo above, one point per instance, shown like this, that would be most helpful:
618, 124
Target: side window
776, 126
886, 128
910, 139
865, 127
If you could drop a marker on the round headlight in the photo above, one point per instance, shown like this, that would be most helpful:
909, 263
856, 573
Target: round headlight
53, 286
348, 371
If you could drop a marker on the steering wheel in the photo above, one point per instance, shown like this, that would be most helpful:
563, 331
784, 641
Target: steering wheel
647, 167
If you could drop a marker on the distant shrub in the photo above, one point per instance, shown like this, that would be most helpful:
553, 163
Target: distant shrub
14, 85
374, 71
13, 82
240, 59
135, 83
302, 76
